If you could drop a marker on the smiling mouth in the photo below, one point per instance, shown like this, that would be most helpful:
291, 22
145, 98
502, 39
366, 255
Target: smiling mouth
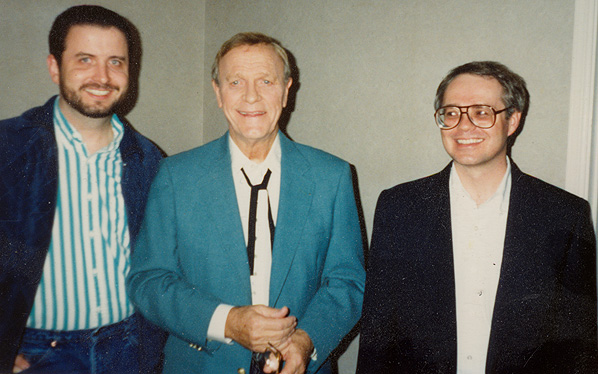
98, 92
251, 114
469, 141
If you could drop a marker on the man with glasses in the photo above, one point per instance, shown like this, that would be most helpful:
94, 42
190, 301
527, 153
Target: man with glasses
480, 268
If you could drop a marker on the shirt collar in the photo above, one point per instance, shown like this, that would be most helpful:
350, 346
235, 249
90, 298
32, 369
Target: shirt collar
73, 136
239, 160
500, 198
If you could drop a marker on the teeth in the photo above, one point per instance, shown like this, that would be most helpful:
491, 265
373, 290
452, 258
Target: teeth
97, 92
469, 141
251, 113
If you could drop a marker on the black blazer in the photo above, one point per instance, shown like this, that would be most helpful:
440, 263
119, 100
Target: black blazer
544, 317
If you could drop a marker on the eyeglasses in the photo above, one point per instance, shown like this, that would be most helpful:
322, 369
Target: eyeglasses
277, 356
483, 116
271, 358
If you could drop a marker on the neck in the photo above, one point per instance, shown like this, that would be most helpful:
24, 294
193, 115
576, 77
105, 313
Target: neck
481, 182
256, 151
95, 132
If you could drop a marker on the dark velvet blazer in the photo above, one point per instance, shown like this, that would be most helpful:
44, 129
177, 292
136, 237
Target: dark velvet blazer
28, 192
544, 317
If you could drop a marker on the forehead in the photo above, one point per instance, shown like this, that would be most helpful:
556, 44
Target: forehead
96, 37
259, 58
468, 89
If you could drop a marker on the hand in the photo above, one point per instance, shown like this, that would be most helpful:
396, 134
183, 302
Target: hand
298, 353
20, 364
255, 326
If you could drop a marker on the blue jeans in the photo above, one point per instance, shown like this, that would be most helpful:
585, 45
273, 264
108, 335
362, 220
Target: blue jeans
108, 349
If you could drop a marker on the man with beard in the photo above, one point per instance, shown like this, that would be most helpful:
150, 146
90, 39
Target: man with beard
74, 184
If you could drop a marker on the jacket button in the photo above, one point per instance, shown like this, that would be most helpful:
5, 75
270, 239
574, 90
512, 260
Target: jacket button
241, 371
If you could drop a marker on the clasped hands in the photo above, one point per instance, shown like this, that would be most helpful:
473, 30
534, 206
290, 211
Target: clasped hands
256, 327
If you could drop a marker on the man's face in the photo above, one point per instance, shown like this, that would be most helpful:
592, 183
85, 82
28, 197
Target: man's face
252, 93
468, 145
94, 74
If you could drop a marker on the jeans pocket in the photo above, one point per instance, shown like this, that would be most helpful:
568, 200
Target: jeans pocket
37, 356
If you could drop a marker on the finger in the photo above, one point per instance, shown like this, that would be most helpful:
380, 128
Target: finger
292, 367
260, 334
283, 345
272, 312
283, 327
20, 364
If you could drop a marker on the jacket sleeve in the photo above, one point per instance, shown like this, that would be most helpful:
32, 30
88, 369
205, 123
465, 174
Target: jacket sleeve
576, 327
336, 306
156, 283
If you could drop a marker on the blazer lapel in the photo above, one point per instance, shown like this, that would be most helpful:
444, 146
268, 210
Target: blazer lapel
296, 189
223, 211
515, 262
443, 260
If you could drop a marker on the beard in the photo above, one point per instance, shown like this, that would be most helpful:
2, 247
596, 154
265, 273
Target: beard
74, 99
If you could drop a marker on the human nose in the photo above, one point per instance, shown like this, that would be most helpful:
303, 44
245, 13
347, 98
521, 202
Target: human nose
102, 74
464, 120
251, 94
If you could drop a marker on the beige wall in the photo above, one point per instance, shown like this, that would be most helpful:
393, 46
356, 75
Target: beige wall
368, 74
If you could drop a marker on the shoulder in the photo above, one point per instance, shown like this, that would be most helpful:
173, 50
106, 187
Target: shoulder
34, 118
30, 133
322, 165
424, 189
545, 196
315, 156
199, 163
133, 141
201, 155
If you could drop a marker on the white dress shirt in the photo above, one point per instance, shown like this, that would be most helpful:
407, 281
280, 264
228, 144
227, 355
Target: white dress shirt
478, 243
260, 280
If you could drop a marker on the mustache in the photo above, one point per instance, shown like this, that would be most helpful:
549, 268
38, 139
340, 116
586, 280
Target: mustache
95, 86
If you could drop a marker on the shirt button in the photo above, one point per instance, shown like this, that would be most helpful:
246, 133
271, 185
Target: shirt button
480, 293
469, 357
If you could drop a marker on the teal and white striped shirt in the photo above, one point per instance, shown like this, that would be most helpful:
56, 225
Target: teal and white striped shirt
83, 282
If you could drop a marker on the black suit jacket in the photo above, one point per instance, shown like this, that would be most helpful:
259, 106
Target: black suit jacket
544, 317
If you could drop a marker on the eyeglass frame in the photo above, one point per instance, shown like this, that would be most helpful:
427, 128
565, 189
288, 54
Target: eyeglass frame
494, 111
277, 355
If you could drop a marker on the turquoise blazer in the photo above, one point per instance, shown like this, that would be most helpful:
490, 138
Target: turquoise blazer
191, 256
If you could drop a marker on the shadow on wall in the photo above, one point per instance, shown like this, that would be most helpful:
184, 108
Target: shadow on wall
285, 116
283, 124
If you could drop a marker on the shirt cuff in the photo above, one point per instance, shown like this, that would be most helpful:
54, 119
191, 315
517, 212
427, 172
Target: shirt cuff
217, 324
